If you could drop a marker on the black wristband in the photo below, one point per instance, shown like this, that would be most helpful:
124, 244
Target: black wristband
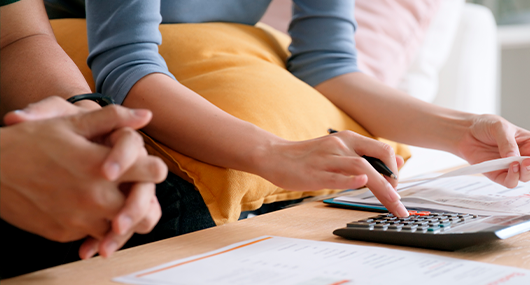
99, 98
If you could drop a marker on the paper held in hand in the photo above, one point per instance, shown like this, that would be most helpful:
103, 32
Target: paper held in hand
457, 190
483, 167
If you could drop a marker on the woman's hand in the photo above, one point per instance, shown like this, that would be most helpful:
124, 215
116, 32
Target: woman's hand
334, 162
491, 137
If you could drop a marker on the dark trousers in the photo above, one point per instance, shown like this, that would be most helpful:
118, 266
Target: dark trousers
183, 211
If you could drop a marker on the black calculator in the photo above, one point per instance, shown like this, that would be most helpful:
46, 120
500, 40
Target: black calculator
436, 230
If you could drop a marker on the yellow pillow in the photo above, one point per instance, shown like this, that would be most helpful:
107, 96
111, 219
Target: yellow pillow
240, 69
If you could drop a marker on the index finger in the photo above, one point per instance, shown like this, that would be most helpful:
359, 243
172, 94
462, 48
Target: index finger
48, 108
110, 118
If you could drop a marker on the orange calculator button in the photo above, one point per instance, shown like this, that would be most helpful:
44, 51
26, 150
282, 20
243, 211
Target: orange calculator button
413, 212
424, 213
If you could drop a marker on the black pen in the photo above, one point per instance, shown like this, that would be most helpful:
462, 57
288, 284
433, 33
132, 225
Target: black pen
376, 163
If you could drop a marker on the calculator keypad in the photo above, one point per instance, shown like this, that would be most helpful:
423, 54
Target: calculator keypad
420, 222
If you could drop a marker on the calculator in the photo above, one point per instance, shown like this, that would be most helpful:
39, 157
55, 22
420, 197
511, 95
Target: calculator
435, 230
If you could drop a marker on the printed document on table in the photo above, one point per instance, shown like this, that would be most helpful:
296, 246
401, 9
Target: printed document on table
279, 261
454, 194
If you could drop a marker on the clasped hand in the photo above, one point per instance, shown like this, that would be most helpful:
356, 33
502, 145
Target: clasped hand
68, 173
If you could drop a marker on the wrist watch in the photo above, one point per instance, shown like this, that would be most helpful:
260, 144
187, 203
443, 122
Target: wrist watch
99, 98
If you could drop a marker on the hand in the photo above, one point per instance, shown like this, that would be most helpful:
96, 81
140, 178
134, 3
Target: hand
334, 162
491, 137
57, 107
85, 197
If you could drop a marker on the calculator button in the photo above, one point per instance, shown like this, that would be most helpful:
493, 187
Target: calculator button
361, 225
395, 226
367, 220
412, 212
424, 213
381, 226
433, 229
410, 227
445, 225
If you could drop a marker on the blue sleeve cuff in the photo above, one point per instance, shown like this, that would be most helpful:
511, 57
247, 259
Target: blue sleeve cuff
116, 71
323, 44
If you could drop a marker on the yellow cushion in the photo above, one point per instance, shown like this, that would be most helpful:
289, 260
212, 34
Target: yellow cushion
240, 69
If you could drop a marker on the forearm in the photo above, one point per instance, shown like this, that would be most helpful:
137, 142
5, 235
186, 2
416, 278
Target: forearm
389, 113
189, 124
34, 68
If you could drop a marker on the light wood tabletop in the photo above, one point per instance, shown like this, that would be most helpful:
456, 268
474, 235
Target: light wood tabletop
314, 221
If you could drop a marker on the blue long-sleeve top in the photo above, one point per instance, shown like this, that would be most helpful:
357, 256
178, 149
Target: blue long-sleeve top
123, 35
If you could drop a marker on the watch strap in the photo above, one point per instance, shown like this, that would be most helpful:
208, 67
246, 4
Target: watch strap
99, 98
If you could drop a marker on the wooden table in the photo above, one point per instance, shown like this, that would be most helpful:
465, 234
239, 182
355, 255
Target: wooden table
314, 221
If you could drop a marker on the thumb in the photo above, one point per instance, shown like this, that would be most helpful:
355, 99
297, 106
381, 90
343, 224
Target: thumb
109, 118
506, 143
50, 107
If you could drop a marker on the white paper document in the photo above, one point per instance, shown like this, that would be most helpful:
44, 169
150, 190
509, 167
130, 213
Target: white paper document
483, 167
454, 194
279, 260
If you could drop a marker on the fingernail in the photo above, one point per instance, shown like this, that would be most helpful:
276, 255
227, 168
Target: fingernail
515, 168
140, 112
528, 168
402, 211
19, 112
111, 247
112, 169
125, 224
393, 196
